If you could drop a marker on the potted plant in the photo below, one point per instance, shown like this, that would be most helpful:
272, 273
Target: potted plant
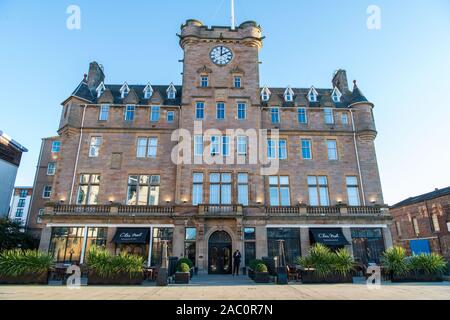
420, 268
252, 267
324, 266
261, 273
106, 269
189, 263
182, 275
24, 267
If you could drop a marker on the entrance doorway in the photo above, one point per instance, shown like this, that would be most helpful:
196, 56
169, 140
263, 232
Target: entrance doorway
219, 253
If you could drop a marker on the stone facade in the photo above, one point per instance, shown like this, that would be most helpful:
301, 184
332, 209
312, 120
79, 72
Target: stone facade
117, 160
432, 216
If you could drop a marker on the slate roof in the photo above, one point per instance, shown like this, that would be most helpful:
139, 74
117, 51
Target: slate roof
424, 197
83, 92
300, 95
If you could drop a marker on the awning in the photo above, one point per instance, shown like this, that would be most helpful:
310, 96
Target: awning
131, 235
329, 237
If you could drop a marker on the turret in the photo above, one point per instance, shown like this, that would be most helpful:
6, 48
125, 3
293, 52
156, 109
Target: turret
363, 114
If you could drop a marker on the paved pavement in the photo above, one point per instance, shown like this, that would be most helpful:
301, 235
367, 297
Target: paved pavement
229, 288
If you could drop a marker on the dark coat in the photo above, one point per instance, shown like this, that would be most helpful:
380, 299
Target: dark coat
237, 256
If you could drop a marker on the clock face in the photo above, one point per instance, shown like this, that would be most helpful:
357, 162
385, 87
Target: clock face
221, 55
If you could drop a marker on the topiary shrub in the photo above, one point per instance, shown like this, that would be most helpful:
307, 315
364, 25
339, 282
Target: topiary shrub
253, 263
183, 267
186, 261
261, 268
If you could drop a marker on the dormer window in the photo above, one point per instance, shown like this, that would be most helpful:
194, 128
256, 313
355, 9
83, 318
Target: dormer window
312, 95
148, 91
100, 89
124, 91
171, 92
336, 95
289, 95
265, 94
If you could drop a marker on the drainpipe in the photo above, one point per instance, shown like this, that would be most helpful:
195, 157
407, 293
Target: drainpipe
357, 159
78, 155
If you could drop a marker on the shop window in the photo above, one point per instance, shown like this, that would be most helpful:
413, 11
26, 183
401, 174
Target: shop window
159, 235
66, 244
249, 245
291, 237
190, 244
96, 237
368, 245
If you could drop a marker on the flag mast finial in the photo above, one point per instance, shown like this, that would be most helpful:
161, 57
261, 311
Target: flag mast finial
233, 21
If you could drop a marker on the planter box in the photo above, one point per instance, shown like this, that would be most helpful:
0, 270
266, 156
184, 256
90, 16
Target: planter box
312, 277
418, 278
32, 278
119, 279
262, 277
182, 277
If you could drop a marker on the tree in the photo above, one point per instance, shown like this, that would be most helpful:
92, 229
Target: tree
12, 236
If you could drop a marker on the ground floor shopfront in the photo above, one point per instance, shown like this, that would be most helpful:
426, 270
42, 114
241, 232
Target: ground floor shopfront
211, 243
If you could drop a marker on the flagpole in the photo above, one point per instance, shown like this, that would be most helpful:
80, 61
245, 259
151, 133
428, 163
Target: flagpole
233, 22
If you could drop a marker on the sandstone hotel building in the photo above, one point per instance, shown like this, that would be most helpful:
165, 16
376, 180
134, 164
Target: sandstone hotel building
116, 185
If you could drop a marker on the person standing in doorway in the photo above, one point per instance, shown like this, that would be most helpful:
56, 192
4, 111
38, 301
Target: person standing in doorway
236, 262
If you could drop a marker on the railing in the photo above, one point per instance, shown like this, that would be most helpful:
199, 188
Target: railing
80, 209
323, 210
326, 210
365, 210
146, 209
283, 210
220, 209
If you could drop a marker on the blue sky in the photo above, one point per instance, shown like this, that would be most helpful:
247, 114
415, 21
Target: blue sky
404, 68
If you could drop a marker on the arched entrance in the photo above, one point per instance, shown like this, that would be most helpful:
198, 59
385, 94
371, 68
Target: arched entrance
219, 253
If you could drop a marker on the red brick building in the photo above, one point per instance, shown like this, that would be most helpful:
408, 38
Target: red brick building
421, 223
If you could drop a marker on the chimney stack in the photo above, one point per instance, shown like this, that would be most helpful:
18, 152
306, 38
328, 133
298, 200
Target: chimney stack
340, 81
95, 75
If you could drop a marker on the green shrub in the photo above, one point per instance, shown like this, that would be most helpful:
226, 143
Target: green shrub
261, 267
106, 265
394, 260
326, 262
428, 264
253, 263
183, 267
19, 262
186, 261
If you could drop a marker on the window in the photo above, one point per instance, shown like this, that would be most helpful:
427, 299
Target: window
242, 111
416, 226
279, 191
220, 111
129, 113
198, 145
94, 146
204, 83
249, 245
291, 237
306, 149
39, 215
47, 193
242, 145
436, 226
197, 189
170, 116
275, 115
352, 191
265, 96
329, 117
220, 188
368, 245
312, 95
318, 191
100, 89
104, 112
147, 147
96, 237
215, 146
398, 227
332, 150
23, 193
189, 244
143, 190
124, 91
225, 146
200, 111
154, 115
288, 97
301, 116
171, 94
274, 151
66, 244
344, 118
21, 203
88, 189
148, 93
243, 189
56, 146
159, 235
237, 82
336, 96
